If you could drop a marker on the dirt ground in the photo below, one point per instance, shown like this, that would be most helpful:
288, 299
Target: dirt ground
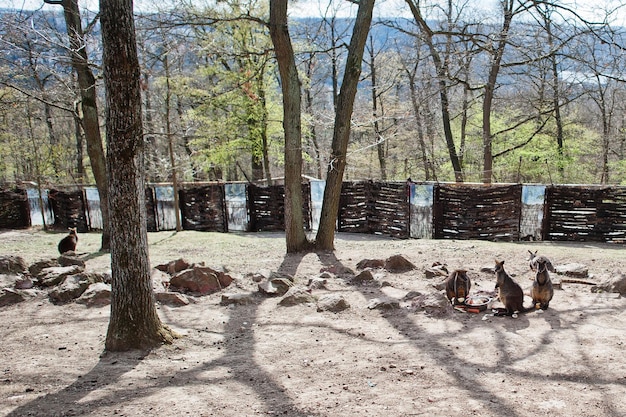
265, 359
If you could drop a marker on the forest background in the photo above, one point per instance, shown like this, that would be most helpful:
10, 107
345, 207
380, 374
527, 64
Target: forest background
524, 92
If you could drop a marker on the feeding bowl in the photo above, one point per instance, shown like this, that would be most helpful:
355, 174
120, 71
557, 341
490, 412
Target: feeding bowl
478, 302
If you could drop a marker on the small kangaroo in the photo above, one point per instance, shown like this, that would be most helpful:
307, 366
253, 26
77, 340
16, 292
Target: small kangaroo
509, 292
542, 290
458, 286
535, 260
68, 243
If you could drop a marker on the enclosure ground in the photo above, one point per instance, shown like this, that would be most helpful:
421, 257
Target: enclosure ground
265, 359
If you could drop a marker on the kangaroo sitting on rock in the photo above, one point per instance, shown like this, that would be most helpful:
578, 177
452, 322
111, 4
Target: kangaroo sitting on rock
509, 292
68, 243
458, 286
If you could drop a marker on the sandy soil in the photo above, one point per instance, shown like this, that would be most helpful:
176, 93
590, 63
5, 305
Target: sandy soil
265, 359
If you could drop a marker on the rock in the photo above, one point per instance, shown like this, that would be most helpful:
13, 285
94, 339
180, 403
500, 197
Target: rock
317, 283
174, 267
573, 270
10, 264
24, 283
435, 304
237, 298
411, 295
55, 275
69, 258
488, 269
276, 286
72, 287
97, 295
615, 284
362, 277
36, 268
338, 270
383, 303
200, 279
9, 297
398, 264
333, 303
9, 280
174, 299
295, 296
437, 270
160, 280
370, 263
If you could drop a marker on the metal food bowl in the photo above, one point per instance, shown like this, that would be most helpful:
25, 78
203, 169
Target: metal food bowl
479, 302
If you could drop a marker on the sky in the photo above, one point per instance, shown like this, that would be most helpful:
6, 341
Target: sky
384, 8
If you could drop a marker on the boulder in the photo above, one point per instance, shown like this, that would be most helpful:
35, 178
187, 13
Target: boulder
10, 264
398, 264
50, 277
295, 296
70, 258
9, 296
317, 283
73, 286
97, 295
573, 270
363, 277
36, 268
435, 304
370, 263
614, 284
174, 299
237, 298
174, 267
333, 303
276, 286
383, 303
160, 280
201, 280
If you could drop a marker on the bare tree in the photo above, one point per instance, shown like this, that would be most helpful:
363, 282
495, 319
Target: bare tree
134, 322
294, 221
88, 102
341, 134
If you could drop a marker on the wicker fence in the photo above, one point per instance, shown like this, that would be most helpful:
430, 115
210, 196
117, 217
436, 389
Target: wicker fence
402, 210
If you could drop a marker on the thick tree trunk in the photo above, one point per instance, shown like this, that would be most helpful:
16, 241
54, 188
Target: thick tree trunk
134, 322
294, 221
341, 135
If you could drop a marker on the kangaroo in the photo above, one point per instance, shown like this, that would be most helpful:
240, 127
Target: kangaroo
535, 260
509, 292
458, 286
542, 290
68, 243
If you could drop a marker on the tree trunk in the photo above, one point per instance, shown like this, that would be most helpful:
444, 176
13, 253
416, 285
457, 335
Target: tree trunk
490, 87
296, 239
341, 134
134, 322
90, 120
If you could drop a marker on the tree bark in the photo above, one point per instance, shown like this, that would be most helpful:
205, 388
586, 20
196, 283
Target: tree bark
295, 237
490, 87
134, 322
90, 119
341, 134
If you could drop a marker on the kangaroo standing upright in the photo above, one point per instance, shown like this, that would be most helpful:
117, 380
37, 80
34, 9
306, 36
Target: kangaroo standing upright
542, 290
509, 292
68, 243
535, 260
458, 286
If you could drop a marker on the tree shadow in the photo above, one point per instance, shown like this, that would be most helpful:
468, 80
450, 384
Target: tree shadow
439, 349
70, 400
